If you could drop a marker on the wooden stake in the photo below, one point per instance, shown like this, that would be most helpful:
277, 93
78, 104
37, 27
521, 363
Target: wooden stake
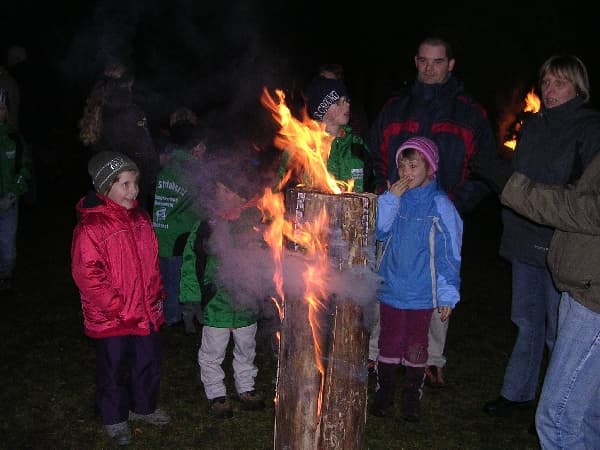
345, 390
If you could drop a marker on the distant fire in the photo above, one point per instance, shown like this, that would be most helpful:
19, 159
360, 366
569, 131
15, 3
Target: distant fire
532, 106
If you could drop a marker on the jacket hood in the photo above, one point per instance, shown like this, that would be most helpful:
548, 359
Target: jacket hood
94, 202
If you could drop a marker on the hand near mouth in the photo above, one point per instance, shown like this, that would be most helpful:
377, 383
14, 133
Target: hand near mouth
400, 187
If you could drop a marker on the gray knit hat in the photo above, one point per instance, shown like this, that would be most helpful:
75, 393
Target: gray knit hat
104, 167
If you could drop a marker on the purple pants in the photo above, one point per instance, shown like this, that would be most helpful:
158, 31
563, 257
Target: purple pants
403, 337
127, 376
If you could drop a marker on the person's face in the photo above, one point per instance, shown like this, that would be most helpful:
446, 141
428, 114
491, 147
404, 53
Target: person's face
229, 205
433, 66
338, 113
3, 112
125, 189
556, 90
199, 150
415, 169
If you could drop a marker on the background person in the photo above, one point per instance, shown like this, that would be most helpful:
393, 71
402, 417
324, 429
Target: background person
176, 211
554, 147
111, 119
16, 169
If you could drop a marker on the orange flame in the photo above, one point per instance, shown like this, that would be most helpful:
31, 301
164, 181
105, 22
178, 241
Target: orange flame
307, 145
532, 102
532, 105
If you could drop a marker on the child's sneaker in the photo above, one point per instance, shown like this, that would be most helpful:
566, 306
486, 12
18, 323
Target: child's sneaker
158, 417
251, 401
120, 432
219, 407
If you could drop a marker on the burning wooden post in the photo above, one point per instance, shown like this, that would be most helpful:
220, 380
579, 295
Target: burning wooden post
298, 382
344, 411
321, 398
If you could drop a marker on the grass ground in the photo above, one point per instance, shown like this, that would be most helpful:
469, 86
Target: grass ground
47, 374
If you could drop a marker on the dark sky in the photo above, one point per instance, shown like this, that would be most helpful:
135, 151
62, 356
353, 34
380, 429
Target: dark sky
216, 57
205, 52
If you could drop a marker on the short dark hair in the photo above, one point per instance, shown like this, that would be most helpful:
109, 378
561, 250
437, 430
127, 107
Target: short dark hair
438, 40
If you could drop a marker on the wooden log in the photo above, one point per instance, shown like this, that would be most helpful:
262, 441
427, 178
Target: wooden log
344, 412
321, 400
298, 382
351, 222
312, 412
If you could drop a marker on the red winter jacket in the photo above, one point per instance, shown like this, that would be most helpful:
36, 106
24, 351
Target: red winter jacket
114, 263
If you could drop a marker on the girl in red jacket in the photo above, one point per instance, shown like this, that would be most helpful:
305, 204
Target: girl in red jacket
114, 263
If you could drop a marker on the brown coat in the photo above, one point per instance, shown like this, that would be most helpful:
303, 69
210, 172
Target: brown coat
574, 255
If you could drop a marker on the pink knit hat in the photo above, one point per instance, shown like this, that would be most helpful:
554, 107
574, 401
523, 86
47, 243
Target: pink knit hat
426, 147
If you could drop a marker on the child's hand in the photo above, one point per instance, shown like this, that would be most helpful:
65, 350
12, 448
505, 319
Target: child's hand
444, 311
400, 186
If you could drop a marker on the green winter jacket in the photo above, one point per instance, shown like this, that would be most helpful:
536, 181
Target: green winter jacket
348, 159
16, 166
199, 283
175, 212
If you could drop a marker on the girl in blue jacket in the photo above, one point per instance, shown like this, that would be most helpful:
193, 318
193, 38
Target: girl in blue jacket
422, 234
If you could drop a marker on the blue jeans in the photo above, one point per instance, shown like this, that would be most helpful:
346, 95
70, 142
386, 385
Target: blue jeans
170, 269
9, 219
568, 412
535, 313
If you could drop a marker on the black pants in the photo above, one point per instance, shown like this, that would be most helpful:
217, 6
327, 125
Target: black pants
127, 376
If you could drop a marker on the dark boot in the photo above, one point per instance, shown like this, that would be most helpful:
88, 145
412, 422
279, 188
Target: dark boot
387, 375
412, 391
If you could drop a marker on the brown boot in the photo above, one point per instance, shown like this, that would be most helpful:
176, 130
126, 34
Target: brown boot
412, 391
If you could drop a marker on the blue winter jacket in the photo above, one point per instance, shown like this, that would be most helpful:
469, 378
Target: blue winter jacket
422, 234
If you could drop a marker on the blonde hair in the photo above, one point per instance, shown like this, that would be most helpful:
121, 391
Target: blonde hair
90, 124
570, 68
115, 74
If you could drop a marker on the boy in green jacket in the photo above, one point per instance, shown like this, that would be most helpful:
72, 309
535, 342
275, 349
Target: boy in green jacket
223, 317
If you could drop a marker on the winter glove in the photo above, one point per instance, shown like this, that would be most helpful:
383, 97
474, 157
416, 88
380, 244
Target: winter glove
494, 172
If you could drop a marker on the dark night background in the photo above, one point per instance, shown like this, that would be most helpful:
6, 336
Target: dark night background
215, 57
